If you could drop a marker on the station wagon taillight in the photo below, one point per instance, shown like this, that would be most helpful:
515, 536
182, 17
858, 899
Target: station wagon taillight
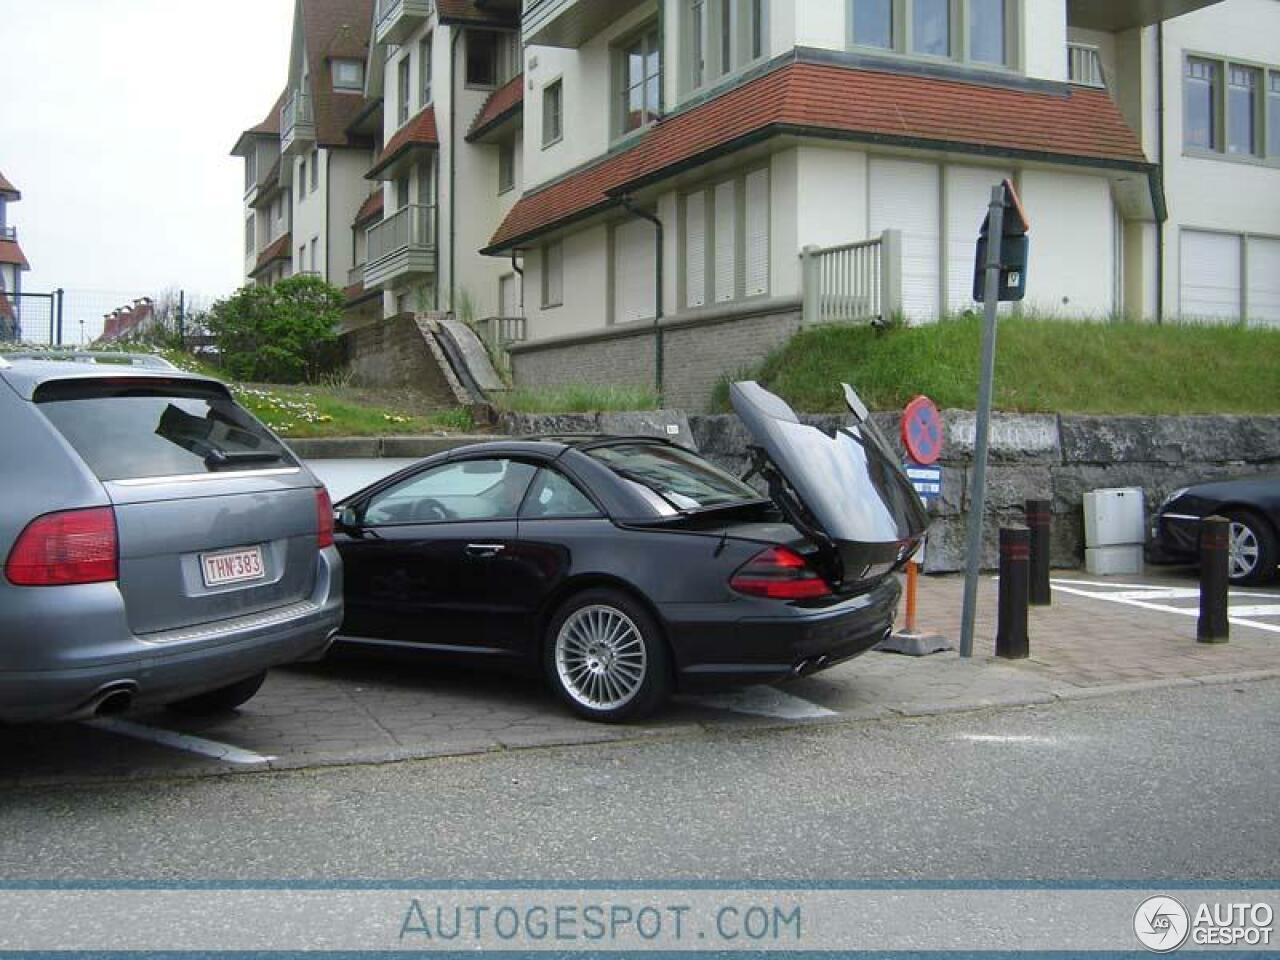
324, 519
779, 573
61, 549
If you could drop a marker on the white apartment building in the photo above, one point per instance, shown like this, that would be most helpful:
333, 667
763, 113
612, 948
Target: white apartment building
12, 264
1144, 139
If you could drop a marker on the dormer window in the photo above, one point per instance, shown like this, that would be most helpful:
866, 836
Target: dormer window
348, 75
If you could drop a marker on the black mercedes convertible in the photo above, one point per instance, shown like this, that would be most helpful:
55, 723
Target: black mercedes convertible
626, 567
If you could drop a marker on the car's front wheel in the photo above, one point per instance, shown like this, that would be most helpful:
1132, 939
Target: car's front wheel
1253, 555
606, 658
220, 700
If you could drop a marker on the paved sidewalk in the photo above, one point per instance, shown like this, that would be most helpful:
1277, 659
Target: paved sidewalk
1100, 637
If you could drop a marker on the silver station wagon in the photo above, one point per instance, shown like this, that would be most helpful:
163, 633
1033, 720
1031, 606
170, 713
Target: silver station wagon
159, 545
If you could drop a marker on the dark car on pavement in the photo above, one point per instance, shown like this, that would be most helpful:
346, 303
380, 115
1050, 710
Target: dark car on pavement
626, 567
158, 545
1251, 504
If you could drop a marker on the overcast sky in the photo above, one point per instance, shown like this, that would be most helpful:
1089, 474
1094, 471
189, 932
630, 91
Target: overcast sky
116, 122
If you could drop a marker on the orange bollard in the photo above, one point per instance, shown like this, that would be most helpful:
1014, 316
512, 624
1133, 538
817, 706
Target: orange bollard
909, 640
913, 584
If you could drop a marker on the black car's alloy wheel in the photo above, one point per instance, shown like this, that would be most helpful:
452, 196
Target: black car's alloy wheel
605, 657
1252, 548
220, 700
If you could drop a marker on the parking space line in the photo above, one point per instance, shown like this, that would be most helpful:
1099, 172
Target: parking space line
182, 741
1233, 614
1257, 610
763, 701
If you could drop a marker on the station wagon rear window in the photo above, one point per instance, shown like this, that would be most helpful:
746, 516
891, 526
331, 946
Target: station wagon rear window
130, 429
681, 478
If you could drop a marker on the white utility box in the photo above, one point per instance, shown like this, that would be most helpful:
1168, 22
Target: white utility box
1114, 518
1111, 561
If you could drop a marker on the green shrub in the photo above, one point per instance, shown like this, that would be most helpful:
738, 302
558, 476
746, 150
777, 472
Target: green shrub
279, 334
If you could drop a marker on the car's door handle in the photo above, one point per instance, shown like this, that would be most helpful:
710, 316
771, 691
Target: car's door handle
484, 550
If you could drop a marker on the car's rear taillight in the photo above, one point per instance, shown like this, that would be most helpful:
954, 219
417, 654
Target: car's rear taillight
324, 519
60, 549
780, 574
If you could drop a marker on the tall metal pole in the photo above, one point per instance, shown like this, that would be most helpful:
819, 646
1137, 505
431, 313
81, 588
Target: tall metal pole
986, 387
60, 293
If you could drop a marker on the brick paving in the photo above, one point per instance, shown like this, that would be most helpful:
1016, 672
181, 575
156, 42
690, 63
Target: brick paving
362, 710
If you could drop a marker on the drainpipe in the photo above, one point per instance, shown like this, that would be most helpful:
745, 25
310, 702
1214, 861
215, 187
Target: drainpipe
453, 163
1160, 153
635, 211
519, 270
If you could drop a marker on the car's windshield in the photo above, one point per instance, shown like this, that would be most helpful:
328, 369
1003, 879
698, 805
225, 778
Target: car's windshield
682, 479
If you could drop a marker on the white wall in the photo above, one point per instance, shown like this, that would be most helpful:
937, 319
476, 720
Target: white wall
1043, 39
586, 290
1072, 268
348, 190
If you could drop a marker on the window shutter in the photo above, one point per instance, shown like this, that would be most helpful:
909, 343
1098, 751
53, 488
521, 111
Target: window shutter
633, 271
757, 230
695, 247
726, 241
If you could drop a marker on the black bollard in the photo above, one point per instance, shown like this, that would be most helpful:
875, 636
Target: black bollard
1215, 557
1038, 520
1012, 642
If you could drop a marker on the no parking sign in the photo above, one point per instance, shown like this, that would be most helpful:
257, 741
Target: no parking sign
922, 436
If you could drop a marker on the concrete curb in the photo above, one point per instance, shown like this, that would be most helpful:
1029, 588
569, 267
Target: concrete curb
625, 735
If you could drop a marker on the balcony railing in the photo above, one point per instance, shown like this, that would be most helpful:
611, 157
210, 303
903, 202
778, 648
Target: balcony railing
297, 121
9, 233
397, 19
853, 283
1084, 65
355, 276
411, 227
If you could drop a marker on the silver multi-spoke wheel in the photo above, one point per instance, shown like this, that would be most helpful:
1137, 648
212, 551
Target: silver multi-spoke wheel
600, 657
1244, 551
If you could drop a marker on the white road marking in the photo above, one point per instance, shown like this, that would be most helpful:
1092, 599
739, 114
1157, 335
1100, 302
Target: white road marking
1000, 738
1235, 615
182, 741
763, 701
1257, 610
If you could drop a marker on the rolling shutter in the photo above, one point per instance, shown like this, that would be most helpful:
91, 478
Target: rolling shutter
1210, 276
904, 196
695, 249
968, 199
756, 256
726, 241
633, 271
1264, 281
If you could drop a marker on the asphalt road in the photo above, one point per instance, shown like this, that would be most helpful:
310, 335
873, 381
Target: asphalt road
1176, 784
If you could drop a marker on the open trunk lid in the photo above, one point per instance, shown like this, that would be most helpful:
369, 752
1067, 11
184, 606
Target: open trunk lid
842, 488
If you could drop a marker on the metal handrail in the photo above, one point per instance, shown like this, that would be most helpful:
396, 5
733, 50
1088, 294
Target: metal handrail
355, 275
1084, 65
410, 227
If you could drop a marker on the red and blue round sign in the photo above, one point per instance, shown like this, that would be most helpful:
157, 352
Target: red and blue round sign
922, 431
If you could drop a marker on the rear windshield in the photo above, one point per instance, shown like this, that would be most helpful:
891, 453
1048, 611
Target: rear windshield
131, 429
681, 478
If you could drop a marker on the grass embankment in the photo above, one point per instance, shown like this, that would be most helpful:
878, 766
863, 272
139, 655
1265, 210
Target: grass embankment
580, 398
1042, 366
331, 410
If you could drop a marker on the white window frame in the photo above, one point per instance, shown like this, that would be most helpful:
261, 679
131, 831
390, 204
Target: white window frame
506, 167
348, 86
250, 235
404, 90
902, 28
424, 69
1266, 140
708, 26
621, 84
552, 121
551, 300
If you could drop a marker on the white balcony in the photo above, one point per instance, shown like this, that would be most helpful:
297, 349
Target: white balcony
297, 124
1084, 66
402, 245
397, 19
571, 23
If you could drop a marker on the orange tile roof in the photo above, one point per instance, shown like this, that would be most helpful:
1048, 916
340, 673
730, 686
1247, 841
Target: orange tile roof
370, 210
10, 252
9, 189
279, 249
342, 26
502, 103
1067, 124
419, 131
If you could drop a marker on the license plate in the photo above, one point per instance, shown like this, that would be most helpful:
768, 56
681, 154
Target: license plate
232, 566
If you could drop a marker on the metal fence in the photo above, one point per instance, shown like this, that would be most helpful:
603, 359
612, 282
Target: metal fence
30, 317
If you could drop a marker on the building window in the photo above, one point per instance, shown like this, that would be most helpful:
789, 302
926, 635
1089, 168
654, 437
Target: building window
697, 44
723, 36
315, 254
506, 166
931, 27
424, 68
988, 22
302, 179
426, 182
403, 89
553, 275
482, 58
725, 236
637, 81
402, 192
250, 170
249, 246
552, 113
348, 75
1242, 110
980, 32
315, 170
873, 23
1231, 109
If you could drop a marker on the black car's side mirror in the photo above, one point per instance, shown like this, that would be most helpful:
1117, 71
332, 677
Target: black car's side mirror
348, 520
